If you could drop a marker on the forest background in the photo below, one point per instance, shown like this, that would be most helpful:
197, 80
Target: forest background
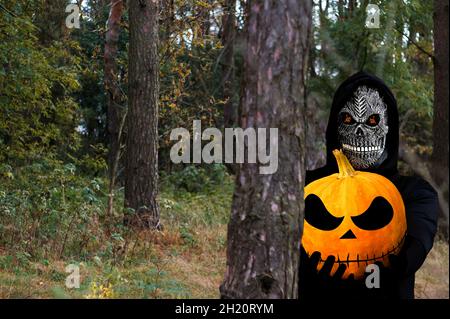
63, 107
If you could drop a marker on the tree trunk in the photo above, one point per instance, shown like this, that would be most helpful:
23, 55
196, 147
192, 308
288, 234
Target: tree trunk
351, 7
315, 126
267, 212
441, 95
229, 31
341, 15
203, 13
113, 93
115, 115
98, 8
141, 180
167, 18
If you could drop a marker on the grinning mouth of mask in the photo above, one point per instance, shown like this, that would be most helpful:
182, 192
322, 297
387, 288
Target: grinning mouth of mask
363, 146
363, 154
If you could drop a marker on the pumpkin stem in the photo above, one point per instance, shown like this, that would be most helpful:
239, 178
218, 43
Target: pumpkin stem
345, 168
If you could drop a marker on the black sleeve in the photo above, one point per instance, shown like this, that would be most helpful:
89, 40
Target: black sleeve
422, 207
313, 175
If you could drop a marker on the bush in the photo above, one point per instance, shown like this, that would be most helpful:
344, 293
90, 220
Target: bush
196, 179
47, 209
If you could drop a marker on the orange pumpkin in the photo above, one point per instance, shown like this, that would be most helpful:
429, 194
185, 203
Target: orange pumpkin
357, 217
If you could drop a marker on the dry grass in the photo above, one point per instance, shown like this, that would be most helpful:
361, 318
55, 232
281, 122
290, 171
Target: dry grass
199, 268
432, 278
195, 268
202, 268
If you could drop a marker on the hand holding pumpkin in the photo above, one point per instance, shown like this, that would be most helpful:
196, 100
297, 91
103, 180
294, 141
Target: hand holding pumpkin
326, 284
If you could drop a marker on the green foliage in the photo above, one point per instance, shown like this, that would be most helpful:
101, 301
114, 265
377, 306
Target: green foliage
50, 214
38, 115
190, 73
48, 210
91, 97
196, 178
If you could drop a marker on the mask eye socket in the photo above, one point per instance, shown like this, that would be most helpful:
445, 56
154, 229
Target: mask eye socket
347, 119
378, 215
317, 215
373, 120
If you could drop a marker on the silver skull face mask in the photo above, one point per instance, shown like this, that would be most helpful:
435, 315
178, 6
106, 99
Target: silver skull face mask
362, 128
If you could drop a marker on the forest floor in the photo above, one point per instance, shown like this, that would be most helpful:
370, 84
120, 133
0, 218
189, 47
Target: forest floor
432, 278
185, 260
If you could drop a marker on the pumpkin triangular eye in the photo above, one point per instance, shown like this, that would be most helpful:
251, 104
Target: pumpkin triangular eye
378, 215
317, 215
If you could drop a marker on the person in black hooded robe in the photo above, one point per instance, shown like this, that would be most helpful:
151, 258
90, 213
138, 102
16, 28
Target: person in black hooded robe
371, 142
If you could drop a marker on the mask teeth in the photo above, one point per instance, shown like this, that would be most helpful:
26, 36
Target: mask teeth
365, 149
359, 146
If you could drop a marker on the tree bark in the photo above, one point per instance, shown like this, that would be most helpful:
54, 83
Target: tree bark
267, 212
441, 95
167, 18
341, 10
315, 126
229, 31
97, 9
203, 15
113, 93
141, 180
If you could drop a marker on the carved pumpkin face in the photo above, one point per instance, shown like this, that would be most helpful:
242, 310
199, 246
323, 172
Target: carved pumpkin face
357, 217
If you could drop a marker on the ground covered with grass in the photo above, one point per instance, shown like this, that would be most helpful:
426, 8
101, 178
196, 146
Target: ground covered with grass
51, 217
432, 278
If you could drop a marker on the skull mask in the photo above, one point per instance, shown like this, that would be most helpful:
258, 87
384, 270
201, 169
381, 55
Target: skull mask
362, 128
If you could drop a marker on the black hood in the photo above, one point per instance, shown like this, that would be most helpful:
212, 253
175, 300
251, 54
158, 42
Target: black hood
345, 91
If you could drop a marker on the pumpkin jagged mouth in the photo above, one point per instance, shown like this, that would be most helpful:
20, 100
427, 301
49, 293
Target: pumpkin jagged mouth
367, 260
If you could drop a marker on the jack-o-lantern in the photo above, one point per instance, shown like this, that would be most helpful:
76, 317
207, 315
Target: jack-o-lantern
357, 217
